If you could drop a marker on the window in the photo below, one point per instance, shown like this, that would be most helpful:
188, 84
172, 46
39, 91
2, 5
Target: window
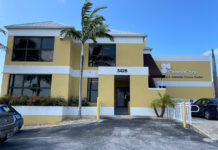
92, 92
30, 85
102, 55
33, 49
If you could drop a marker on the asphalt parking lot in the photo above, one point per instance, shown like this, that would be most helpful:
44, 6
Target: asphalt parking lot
111, 134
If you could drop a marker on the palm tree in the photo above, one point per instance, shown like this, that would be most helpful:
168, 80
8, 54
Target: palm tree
162, 102
1, 45
92, 27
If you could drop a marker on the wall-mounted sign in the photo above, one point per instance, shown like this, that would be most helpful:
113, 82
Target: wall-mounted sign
179, 74
166, 68
122, 70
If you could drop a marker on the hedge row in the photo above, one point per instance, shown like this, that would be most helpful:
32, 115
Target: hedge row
41, 101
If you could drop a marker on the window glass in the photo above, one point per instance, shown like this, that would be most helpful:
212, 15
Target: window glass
46, 55
28, 92
198, 102
34, 43
20, 43
44, 92
48, 43
45, 81
18, 55
31, 81
92, 90
33, 49
30, 85
33, 55
109, 55
102, 55
16, 91
18, 81
6, 109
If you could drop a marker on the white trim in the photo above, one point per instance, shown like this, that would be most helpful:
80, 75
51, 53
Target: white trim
34, 32
186, 83
121, 39
181, 58
56, 32
62, 110
40, 110
36, 69
129, 71
162, 89
86, 73
107, 111
143, 111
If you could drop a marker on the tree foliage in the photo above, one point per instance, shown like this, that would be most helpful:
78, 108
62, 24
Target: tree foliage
1, 45
162, 102
92, 27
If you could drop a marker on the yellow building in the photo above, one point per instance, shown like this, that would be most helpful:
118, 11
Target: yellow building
121, 72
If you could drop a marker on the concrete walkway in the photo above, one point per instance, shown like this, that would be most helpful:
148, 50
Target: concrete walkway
206, 127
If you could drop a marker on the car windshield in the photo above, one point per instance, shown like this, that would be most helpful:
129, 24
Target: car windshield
215, 100
7, 109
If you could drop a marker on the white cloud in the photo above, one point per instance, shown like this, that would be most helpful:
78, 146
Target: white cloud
208, 53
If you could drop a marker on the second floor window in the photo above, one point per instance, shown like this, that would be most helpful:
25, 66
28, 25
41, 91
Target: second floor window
102, 55
33, 49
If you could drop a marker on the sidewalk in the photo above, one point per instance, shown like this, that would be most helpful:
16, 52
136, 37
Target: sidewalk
206, 127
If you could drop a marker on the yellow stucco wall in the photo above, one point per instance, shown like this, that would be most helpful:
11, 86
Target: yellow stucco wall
34, 120
74, 87
106, 90
129, 55
5, 81
190, 92
60, 85
37, 120
61, 56
140, 95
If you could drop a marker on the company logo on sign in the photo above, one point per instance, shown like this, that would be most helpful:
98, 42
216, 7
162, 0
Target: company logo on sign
166, 68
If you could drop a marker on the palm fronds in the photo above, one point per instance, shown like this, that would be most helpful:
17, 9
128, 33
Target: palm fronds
162, 102
1, 45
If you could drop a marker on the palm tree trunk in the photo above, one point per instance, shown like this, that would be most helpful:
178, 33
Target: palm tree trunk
156, 112
214, 75
80, 81
162, 111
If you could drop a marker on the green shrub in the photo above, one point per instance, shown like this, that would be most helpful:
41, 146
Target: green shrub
41, 101
73, 101
33, 101
4, 100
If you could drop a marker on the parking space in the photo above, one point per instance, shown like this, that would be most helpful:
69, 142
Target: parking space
109, 134
206, 127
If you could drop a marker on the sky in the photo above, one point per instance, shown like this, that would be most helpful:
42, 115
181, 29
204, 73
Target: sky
173, 27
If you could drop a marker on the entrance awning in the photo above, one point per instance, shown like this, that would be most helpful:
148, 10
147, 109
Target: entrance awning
154, 71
